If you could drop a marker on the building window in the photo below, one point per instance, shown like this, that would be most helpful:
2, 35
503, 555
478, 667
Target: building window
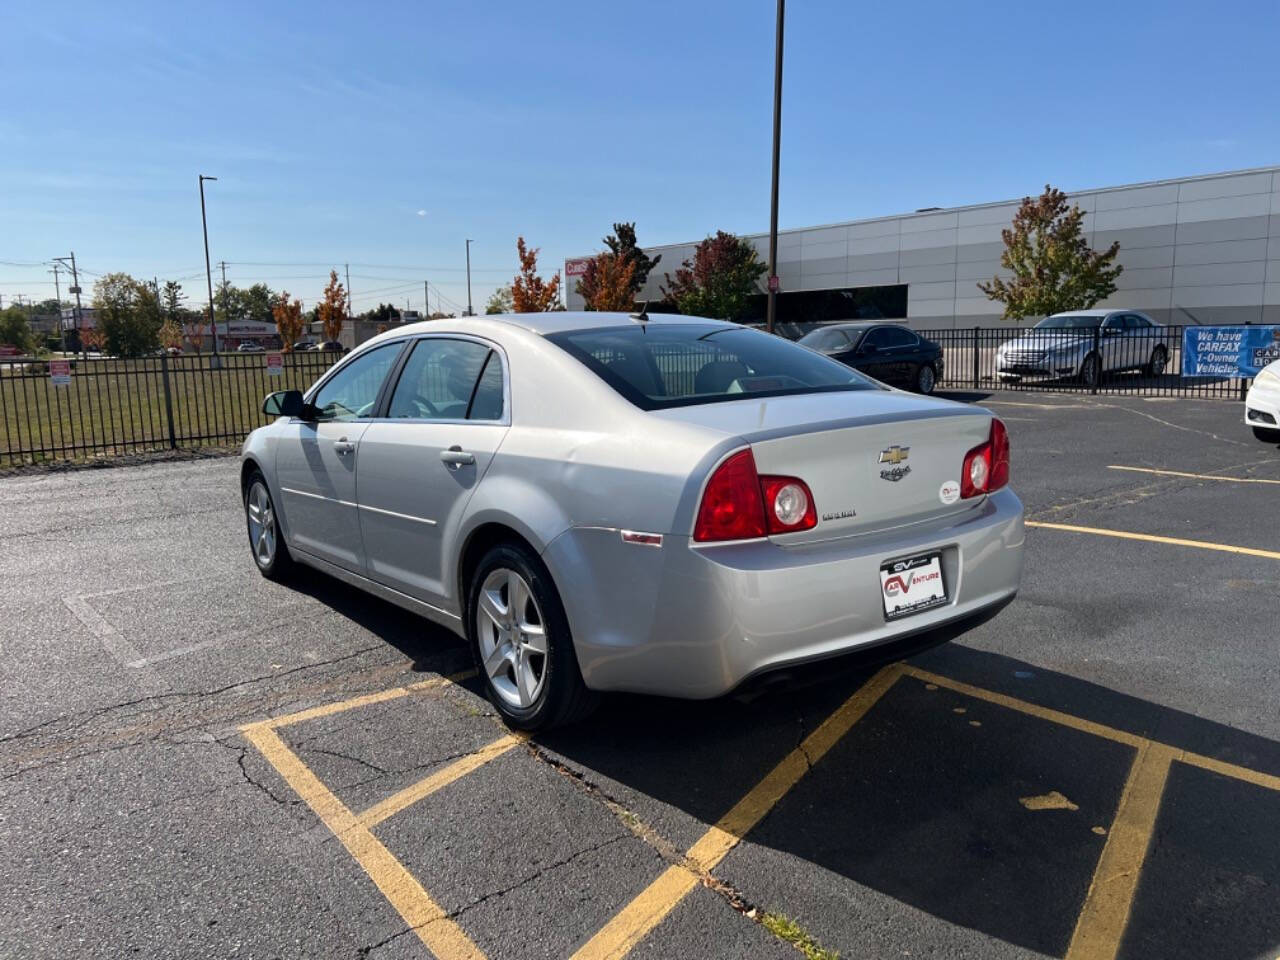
819, 306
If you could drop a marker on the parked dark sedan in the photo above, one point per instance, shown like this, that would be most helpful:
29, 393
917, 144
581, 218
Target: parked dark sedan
887, 351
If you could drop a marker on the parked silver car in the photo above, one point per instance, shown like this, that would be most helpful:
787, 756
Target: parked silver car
1085, 344
659, 504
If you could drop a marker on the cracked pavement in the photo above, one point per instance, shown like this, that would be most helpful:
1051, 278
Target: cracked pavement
137, 820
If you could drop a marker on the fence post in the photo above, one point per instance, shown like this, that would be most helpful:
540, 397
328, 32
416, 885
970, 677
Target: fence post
1097, 355
168, 399
976, 334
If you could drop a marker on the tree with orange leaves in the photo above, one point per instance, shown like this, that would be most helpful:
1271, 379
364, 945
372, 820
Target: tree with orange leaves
332, 310
608, 283
529, 292
288, 317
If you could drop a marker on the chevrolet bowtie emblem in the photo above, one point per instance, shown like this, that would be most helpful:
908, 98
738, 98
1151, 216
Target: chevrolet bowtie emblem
894, 455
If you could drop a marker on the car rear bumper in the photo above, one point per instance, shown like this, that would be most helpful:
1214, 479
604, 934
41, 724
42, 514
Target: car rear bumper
696, 621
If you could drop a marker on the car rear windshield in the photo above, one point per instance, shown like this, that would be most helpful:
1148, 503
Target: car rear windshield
659, 365
1071, 322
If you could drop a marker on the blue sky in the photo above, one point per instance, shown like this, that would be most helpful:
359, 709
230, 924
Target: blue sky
384, 135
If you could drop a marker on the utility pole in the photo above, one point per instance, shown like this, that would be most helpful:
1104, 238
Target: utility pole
75, 288
57, 295
348, 266
771, 314
470, 312
215, 361
226, 307
426, 304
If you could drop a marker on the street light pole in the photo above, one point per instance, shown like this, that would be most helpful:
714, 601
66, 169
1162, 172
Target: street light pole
216, 361
470, 312
57, 293
75, 288
773, 199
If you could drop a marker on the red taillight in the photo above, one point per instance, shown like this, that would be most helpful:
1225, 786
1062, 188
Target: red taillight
788, 504
731, 506
986, 468
739, 504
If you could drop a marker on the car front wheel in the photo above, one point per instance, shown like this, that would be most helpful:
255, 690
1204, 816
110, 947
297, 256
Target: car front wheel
520, 638
1267, 436
270, 553
1091, 371
1159, 359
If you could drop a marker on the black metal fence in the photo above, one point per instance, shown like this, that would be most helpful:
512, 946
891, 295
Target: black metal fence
113, 407
1144, 361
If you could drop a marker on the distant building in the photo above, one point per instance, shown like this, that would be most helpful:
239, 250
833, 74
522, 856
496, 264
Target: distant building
1196, 250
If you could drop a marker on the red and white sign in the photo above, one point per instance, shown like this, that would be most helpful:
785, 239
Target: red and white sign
8, 350
60, 372
912, 585
576, 268
773, 284
275, 364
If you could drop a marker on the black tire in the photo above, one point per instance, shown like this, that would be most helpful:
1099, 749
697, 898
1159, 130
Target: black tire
1159, 360
1267, 436
280, 566
926, 379
1091, 370
563, 697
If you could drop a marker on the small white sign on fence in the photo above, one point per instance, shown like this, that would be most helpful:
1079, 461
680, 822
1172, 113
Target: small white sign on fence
275, 364
60, 372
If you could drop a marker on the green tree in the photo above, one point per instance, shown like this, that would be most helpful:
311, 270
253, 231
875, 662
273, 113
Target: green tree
129, 314
228, 303
14, 329
1054, 268
382, 313
500, 301
719, 280
256, 302
171, 297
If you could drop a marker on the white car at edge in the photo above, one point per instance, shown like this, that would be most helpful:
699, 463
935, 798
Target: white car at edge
1262, 404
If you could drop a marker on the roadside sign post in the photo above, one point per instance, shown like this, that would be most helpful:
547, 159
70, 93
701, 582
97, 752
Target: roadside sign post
275, 364
60, 373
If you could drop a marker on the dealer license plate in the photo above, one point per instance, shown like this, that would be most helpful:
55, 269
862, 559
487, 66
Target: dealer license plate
912, 585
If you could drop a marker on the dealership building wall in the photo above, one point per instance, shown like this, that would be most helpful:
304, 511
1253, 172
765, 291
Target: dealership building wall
1200, 250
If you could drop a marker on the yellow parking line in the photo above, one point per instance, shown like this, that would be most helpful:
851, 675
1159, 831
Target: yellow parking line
1192, 476
1105, 914
1024, 706
1151, 538
1223, 767
441, 778
438, 933
365, 700
647, 910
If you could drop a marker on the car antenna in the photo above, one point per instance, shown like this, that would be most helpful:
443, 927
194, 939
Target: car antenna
643, 315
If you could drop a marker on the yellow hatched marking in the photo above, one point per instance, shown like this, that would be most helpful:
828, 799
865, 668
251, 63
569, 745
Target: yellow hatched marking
647, 910
1105, 914
441, 778
1151, 538
438, 933
1192, 476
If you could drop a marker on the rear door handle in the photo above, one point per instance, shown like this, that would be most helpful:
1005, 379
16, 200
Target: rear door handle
342, 446
456, 457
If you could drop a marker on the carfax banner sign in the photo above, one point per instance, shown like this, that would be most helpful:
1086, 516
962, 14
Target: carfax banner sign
1228, 351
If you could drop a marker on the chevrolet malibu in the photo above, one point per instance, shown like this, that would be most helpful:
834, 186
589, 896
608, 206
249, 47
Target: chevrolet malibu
658, 504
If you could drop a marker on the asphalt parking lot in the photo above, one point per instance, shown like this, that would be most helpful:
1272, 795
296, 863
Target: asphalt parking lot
197, 763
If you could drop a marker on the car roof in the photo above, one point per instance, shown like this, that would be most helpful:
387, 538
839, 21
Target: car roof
554, 322
1089, 313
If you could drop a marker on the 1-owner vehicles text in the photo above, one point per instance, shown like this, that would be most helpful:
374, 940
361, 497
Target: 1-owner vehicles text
657, 504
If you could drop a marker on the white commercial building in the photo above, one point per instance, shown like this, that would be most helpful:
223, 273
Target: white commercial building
1197, 250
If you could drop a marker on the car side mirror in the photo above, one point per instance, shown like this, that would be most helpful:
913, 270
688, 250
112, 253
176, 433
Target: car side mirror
284, 403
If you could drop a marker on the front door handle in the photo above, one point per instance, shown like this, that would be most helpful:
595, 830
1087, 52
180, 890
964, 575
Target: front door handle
342, 446
456, 457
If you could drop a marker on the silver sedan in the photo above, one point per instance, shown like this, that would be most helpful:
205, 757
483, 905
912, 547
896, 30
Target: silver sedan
659, 504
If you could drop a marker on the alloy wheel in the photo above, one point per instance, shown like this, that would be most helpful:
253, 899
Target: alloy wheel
513, 638
1158, 360
262, 524
926, 379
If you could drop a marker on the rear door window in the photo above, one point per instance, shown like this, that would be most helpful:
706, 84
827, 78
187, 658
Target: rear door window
439, 380
667, 365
